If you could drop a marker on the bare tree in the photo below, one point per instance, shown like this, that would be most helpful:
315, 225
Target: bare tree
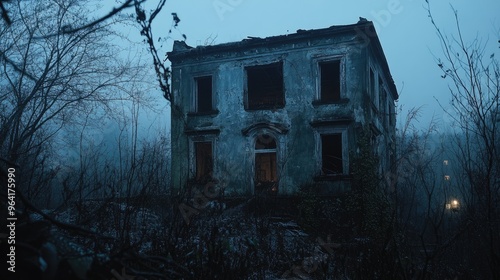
48, 80
474, 83
60, 69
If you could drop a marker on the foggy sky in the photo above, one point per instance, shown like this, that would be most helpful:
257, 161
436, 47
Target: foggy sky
405, 31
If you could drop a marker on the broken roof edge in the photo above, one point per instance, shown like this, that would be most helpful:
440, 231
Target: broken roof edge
181, 49
364, 29
377, 46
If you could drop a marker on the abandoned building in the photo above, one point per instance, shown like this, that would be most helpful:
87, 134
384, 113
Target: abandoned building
274, 114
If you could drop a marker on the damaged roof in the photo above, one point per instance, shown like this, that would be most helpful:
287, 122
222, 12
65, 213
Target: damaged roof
363, 29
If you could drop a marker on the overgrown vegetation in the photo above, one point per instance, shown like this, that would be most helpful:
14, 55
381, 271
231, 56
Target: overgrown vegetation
114, 217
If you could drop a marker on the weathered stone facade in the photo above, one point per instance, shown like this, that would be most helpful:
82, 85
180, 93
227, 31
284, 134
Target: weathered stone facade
274, 114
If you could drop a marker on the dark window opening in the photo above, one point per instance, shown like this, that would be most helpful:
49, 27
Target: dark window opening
380, 93
204, 94
204, 160
391, 114
265, 86
383, 107
331, 154
372, 85
330, 81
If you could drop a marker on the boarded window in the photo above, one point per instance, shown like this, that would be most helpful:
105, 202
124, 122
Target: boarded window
331, 154
265, 86
204, 94
330, 81
204, 160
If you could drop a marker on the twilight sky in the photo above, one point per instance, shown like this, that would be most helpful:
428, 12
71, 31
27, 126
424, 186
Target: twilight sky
407, 36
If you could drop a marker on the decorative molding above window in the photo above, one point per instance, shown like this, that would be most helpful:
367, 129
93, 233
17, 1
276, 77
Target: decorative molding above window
276, 127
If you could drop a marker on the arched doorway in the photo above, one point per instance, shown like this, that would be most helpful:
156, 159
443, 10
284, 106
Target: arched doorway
266, 178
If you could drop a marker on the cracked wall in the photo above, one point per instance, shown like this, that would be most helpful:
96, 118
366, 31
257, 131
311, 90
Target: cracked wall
297, 123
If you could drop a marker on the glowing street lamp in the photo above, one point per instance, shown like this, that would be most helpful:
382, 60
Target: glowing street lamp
453, 205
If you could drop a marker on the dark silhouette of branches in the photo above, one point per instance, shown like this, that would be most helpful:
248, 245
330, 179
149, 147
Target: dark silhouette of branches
5, 14
162, 72
67, 29
50, 79
474, 86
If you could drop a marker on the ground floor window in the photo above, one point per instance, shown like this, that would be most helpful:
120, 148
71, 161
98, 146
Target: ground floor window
203, 160
331, 154
265, 163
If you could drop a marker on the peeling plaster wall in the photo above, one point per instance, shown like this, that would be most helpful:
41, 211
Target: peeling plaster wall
297, 149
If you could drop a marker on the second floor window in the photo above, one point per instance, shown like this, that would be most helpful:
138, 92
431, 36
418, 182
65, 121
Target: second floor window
330, 81
203, 94
265, 87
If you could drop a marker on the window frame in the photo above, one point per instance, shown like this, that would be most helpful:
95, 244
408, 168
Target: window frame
278, 133
261, 151
192, 154
209, 164
194, 110
319, 132
373, 87
322, 94
322, 152
343, 98
247, 94
197, 93
392, 111
381, 88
